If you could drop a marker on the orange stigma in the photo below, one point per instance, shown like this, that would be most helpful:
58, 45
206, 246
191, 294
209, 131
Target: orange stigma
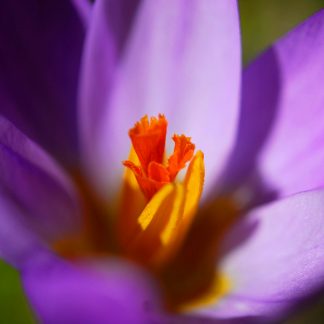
148, 139
156, 212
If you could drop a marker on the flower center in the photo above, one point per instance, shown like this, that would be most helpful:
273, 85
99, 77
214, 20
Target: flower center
157, 224
156, 211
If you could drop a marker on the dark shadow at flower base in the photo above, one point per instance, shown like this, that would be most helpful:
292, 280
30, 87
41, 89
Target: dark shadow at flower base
305, 310
240, 233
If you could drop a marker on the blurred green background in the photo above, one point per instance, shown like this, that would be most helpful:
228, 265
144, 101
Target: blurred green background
13, 305
262, 22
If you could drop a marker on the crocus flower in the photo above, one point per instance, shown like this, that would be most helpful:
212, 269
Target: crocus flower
75, 78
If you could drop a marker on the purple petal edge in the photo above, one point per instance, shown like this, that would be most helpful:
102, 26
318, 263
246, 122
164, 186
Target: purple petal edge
40, 49
117, 292
38, 186
280, 136
274, 258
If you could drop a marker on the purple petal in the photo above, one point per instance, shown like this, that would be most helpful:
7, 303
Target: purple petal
104, 47
282, 126
40, 49
280, 261
18, 244
37, 184
84, 8
63, 293
182, 59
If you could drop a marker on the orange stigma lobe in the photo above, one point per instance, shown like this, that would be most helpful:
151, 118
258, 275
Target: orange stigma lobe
148, 140
183, 153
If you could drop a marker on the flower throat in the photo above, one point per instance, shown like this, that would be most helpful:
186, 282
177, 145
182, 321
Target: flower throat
156, 223
152, 236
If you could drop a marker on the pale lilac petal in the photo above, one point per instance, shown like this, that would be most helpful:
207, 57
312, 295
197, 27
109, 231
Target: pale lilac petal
105, 42
37, 184
236, 310
40, 49
281, 134
104, 47
63, 293
293, 157
183, 60
278, 258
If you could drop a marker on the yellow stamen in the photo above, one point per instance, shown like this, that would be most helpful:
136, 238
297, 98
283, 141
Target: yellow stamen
152, 221
154, 206
132, 204
175, 233
175, 217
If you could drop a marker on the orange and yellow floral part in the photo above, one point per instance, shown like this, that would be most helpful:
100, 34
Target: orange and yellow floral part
159, 209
